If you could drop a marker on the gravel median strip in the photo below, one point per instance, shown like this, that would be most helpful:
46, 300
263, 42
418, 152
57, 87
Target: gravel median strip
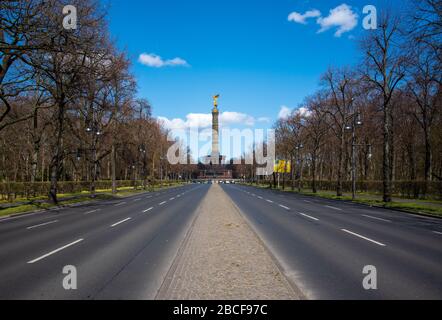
223, 259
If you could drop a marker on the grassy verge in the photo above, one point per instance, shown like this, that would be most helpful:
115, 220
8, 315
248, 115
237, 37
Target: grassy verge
77, 198
433, 208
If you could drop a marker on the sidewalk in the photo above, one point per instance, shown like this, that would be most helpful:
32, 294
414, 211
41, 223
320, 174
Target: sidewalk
222, 258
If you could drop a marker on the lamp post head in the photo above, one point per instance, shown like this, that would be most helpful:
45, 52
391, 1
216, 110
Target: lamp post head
359, 120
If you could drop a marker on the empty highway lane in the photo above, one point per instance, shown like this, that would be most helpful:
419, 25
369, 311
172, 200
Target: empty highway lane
324, 245
121, 249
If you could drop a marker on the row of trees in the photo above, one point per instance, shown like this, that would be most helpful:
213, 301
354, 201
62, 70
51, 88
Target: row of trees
68, 105
379, 120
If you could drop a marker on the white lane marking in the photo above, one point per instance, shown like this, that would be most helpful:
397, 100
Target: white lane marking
119, 204
92, 211
178, 196
253, 194
55, 251
269, 201
308, 201
437, 232
41, 225
307, 216
162, 203
148, 197
286, 208
171, 199
120, 222
365, 238
260, 197
138, 199
334, 208
147, 210
376, 218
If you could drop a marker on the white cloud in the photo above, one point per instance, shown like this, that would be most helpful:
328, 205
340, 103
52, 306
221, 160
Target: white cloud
227, 118
304, 112
153, 60
341, 17
264, 120
301, 18
284, 112
204, 120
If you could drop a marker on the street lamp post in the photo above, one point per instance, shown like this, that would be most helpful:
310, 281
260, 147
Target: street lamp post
298, 149
356, 121
95, 131
143, 151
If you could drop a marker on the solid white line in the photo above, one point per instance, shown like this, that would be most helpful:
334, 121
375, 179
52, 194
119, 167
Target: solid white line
334, 208
307, 216
119, 204
92, 211
162, 203
120, 222
287, 208
55, 251
148, 209
437, 232
365, 238
269, 201
367, 216
41, 225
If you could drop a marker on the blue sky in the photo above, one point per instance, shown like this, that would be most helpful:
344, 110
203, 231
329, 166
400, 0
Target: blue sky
248, 51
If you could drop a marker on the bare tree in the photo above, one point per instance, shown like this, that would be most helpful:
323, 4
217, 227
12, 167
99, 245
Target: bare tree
339, 86
316, 129
384, 69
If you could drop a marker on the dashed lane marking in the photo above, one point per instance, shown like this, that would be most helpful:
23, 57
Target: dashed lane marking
120, 222
54, 251
41, 224
307, 216
365, 238
375, 218
334, 208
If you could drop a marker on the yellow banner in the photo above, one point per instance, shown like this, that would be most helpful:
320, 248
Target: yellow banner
282, 166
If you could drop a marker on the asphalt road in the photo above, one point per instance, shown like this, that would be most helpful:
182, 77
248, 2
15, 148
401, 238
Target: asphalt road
323, 245
122, 249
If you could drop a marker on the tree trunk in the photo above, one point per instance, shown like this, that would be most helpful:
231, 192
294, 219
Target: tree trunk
428, 160
57, 157
340, 163
314, 190
292, 172
113, 169
386, 171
